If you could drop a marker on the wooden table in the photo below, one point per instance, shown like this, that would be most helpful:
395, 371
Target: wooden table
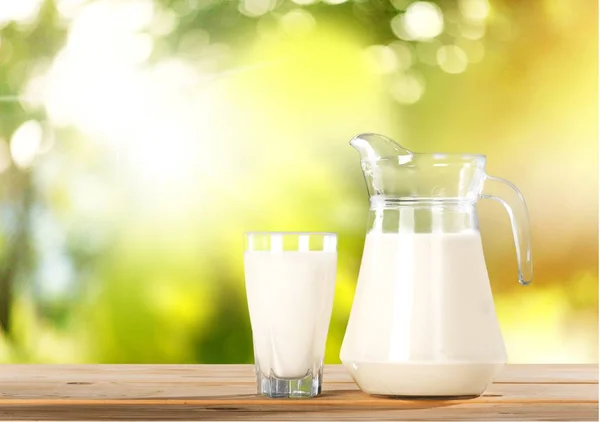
227, 392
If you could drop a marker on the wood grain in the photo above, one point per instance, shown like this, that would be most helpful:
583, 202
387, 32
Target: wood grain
227, 392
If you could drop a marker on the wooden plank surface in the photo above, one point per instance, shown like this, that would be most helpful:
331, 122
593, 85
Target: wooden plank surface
227, 392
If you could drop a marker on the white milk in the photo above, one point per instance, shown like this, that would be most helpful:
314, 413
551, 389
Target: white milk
290, 297
423, 319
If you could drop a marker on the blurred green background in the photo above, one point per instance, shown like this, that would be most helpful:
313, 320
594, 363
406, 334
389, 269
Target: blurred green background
140, 139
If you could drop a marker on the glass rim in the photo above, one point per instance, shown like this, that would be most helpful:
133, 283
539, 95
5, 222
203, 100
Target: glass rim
265, 233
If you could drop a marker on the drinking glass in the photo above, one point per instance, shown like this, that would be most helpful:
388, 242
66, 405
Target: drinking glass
290, 282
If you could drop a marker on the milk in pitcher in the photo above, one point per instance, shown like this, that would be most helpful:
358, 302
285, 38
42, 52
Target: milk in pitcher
410, 332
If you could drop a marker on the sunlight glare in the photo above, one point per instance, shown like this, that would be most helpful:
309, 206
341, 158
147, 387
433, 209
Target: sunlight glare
153, 117
122, 43
19, 11
69, 9
164, 156
163, 23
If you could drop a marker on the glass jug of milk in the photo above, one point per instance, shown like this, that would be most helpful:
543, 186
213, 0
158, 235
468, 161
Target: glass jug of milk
423, 321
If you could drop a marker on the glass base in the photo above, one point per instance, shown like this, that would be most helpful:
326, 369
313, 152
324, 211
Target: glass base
296, 388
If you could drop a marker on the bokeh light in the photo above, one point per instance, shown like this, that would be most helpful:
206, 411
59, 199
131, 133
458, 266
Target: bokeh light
383, 59
404, 54
474, 10
305, 2
452, 59
472, 31
298, 22
407, 88
423, 20
25, 143
474, 49
256, 7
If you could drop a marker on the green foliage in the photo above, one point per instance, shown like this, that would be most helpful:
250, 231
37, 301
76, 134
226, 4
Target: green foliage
123, 242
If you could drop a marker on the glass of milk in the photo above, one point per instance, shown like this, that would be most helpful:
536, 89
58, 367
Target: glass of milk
290, 282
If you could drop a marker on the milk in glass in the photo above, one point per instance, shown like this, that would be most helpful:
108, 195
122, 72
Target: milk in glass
290, 298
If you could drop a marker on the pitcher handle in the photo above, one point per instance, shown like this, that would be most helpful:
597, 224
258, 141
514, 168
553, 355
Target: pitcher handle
512, 199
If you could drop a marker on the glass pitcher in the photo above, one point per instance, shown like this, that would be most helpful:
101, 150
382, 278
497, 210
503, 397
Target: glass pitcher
423, 321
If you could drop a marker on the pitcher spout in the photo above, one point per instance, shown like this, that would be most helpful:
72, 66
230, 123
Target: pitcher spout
372, 146
379, 172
